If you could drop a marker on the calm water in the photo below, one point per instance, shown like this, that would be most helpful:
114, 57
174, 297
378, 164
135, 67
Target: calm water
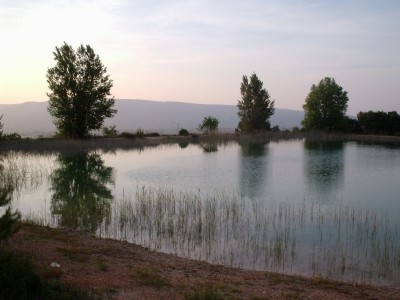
301, 207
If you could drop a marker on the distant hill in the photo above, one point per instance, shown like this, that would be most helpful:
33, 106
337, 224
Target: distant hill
32, 118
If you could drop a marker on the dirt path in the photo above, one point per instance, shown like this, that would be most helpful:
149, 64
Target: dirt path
119, 270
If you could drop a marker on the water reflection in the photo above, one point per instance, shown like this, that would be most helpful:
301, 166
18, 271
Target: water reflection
253, 166
81, 198
209, 147
324, 165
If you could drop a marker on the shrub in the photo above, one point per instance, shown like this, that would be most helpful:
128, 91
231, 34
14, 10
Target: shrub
139, 133
110, 131
152, 134
18, 280
127, 135
11, 136
183, 132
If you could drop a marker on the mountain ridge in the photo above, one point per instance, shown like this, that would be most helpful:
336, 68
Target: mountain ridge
166, 117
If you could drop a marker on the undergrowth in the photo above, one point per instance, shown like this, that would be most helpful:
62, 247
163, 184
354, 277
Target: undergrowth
18, 281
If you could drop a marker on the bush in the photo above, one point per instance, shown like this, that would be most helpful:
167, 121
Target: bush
183, 132
127, 135
152, 134
139, 133
110, 131
18, 280
11, 136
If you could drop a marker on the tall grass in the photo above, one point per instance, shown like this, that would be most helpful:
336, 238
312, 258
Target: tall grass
339, 242
25, 171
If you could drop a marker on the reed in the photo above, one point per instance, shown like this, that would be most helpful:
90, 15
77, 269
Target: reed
339, 242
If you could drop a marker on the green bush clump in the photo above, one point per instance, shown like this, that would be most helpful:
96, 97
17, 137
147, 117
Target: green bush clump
183, 132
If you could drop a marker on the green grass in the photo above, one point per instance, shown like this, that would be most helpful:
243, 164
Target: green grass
206, 293
150, 277
18, 281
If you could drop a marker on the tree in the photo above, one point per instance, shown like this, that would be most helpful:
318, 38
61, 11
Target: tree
9, 221
255, 107
209, 124
1, 126
79, 87
325, 106
379, 122
110, 131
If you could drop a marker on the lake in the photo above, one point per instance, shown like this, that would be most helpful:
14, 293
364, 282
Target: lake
328, 209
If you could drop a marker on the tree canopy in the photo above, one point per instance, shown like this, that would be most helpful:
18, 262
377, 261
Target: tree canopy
209, 124
325, 106
79, 88
379, 122
255, 106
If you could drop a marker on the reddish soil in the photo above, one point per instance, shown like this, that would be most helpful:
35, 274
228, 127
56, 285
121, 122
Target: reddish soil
119, 270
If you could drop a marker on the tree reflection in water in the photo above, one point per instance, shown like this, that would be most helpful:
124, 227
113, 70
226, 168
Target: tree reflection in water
81, 198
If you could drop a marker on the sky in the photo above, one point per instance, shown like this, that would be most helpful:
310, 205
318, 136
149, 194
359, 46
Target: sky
198, 51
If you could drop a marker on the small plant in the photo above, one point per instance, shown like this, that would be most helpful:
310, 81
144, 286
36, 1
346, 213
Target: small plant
183, 132
206, 293
150, 278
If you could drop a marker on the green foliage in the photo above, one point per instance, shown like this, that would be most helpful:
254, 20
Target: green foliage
18, 281
152, 134
139, 133
9, 221
352, 125
110, 131
150, 277
206, 293
127, 135
379, 122
183, 132
325, 106
11, 136
209, 124
255, 107
79, 87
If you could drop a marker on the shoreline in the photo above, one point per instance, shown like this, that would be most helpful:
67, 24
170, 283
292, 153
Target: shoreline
121, 270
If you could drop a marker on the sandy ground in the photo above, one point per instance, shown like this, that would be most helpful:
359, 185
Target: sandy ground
119, 270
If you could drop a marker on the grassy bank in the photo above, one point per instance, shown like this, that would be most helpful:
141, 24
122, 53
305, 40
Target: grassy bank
118, 270
19, 280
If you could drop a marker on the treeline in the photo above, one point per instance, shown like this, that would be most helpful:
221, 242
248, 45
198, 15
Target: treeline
375, 122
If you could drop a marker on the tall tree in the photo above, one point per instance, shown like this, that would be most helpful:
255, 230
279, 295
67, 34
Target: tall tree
325, 106
256, 106
79, 88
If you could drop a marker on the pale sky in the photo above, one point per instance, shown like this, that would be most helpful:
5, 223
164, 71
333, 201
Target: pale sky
198, 51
